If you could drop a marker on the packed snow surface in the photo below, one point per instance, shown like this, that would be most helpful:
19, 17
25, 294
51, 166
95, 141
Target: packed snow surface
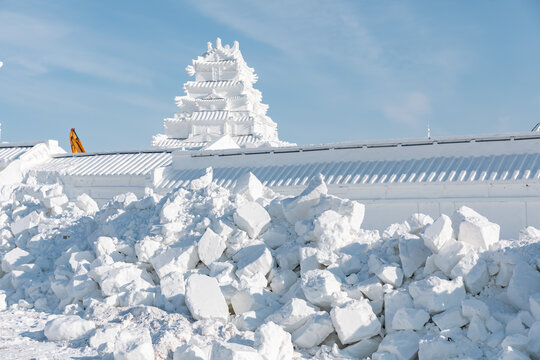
208, 273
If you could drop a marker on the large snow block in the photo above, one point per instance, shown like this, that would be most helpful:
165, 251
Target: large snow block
249, 186
413, 254
525, 282
177, 259
387, 273
435, 294
252, 218
251, 300
55, 201
402, 344
314, 331
439, 349
409, 319
363, 348
210, 247
293, 314
68, 328
133, 343
204, 298
331, 230
474, 272
251, 260
119, 277
25, 223
282, 281
438, 233
534, 303
451, 318
173, 287
321, 287
393, 301
450, 254
86, 204
273, 342
476, 229
354, 321
297, 208
233, 351
15, 258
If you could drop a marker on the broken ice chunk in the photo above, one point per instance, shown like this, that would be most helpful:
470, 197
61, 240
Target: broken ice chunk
252, 218
413, 254
297, 208
402, 344
321, 287
204, 298
436, 294
438, 233
409, 319
314, 331
210, 247
251, 260
273, 342
249, 186
68, 328
475, 229
354, 321
293, 314
133, 343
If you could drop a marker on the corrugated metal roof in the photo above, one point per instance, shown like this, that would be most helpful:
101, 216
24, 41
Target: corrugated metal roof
170, 143
10, 153
459, 169
213, 84
105, 164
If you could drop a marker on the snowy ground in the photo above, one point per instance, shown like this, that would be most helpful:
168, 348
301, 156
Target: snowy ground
22, 337
208, 273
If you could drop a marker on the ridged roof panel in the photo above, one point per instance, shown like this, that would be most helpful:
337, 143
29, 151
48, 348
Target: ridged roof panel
10, 153
451, 170
136, 163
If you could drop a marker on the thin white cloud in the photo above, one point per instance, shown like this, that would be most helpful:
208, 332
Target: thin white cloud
35, 45
410, 110
303, 30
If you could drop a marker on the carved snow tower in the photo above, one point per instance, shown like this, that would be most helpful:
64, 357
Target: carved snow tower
221, 109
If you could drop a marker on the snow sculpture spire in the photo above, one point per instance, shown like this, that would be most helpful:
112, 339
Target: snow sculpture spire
220, 102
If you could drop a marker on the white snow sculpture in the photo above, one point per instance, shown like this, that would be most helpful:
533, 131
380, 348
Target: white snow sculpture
221, 109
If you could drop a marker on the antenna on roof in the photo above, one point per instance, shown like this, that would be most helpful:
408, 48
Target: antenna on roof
428, 130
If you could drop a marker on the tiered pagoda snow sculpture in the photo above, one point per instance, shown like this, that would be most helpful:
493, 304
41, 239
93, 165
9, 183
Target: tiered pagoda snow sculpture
221, 109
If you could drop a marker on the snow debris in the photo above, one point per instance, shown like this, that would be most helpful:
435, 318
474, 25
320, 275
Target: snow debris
355, 321
208, 273
409, 319
210, 247
273, 342
133, 343
438, 233
413, 254
475, 229
436, 294
314, 331
68, 328
204, 298
449, 319
252, 218
249, 186
293, 314
321, 287
402, 344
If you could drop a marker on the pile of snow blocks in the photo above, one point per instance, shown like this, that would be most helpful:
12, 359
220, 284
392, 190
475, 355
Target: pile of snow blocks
206, 272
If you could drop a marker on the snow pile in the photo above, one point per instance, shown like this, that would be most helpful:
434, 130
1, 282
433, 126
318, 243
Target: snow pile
208, 273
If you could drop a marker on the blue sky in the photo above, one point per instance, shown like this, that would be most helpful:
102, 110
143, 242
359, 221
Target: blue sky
330, 70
